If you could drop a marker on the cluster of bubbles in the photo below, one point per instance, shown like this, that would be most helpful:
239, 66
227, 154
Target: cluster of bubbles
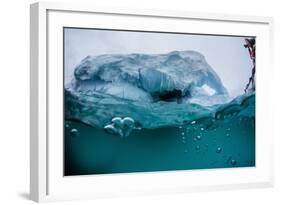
121, 126
198, 125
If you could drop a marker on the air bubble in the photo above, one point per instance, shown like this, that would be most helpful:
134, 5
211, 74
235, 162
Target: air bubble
198, 137
233, 162
117, 121
219, 149
74, 132
129, 122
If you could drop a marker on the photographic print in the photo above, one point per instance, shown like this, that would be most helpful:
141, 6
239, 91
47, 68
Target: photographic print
145, 101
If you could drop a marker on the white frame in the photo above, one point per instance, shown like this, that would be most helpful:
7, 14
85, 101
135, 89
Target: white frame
41, 147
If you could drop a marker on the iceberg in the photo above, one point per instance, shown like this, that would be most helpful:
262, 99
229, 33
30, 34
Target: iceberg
178, 75
123, 93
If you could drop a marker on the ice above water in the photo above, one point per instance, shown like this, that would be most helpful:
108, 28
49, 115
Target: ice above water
145, 77
120, 93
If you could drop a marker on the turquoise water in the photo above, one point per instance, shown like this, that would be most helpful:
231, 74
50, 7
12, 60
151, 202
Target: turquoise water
220, 136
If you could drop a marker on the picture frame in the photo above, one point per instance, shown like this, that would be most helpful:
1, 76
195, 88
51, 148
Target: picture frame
47, 180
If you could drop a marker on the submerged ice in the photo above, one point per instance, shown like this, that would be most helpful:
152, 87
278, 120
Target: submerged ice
120, 93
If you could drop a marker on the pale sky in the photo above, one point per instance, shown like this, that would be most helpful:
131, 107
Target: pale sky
226, 55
